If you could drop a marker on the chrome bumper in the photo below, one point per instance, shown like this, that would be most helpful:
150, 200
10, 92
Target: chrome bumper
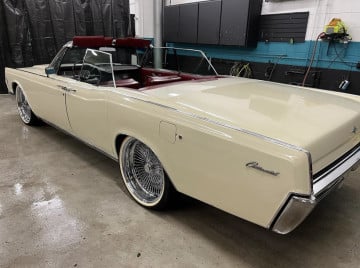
297, 208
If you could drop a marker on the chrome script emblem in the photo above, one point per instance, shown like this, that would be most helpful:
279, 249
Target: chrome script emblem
355, 130
255, 165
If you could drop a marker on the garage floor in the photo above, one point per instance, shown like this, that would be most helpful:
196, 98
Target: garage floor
63, 204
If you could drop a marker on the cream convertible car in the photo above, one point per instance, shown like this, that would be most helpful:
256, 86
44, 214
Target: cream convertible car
265, 152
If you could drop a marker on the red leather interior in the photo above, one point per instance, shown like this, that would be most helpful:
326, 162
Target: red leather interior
130, 83
152, 77
156, 80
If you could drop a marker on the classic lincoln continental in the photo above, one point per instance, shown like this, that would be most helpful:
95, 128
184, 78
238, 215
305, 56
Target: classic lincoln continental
262, 151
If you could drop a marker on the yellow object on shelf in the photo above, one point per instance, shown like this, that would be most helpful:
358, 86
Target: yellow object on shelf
336, 26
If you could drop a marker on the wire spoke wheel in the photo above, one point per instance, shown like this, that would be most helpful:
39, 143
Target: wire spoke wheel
142, 172
23, 106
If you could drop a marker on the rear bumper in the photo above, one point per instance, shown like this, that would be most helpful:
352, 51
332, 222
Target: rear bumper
297, 208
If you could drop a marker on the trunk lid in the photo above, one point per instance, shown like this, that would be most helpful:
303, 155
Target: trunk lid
324, 124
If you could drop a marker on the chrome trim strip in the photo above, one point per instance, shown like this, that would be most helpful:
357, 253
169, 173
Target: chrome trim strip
336, 173
272, 140
33, 73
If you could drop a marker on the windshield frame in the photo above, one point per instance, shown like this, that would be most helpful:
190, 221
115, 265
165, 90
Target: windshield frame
175, 49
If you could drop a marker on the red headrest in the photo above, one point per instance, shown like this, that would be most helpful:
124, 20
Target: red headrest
132, 42
101, 41
92, 41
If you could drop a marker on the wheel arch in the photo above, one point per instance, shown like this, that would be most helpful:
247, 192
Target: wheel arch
119, 139
14, 85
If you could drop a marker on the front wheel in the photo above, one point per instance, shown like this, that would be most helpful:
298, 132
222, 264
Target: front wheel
144, 175
25, 112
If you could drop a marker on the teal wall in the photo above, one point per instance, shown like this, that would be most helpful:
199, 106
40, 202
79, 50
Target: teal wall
332, 56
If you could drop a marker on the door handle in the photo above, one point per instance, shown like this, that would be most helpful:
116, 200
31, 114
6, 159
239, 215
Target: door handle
62, 87
67, 89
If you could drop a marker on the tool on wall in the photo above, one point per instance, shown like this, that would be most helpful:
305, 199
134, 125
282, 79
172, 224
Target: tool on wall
269, 71
241, 69
345, 83
334, 32
336, 27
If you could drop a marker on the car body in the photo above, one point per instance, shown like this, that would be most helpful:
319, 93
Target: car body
262, 151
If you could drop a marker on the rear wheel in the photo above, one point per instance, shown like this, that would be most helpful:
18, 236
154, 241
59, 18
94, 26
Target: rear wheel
25, 112
144, 175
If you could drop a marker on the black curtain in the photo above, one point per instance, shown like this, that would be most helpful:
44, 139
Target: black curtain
32, 31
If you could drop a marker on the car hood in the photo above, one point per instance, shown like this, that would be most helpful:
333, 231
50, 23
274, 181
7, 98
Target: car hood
322, 123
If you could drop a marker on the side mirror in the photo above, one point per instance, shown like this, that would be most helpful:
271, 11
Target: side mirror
49, 70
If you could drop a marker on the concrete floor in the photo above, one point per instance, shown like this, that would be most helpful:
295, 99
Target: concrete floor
63, 204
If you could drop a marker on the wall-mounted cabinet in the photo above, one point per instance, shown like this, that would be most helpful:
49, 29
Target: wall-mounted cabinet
234, 17
188, 23
209, 22
239, 22
171, 23
224, 22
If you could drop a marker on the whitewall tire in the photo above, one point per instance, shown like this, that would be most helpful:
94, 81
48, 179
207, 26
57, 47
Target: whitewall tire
25, 112
144, 175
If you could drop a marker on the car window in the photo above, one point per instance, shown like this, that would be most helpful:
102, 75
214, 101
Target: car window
73, 55
57, 59
70, 62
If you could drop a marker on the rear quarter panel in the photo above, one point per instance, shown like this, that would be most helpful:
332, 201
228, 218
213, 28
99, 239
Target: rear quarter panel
209, 162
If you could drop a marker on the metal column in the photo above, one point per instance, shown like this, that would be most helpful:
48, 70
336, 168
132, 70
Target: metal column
158, 32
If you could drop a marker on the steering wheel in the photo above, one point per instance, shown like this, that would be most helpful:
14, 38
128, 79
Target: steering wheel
92, 76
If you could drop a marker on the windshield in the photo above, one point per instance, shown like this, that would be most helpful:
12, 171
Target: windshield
179, 59
97, 67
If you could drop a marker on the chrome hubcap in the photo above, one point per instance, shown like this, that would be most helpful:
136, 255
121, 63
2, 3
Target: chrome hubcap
142, 171
23, 106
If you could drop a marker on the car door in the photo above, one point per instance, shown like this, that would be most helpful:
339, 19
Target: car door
47, 96
86, 100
